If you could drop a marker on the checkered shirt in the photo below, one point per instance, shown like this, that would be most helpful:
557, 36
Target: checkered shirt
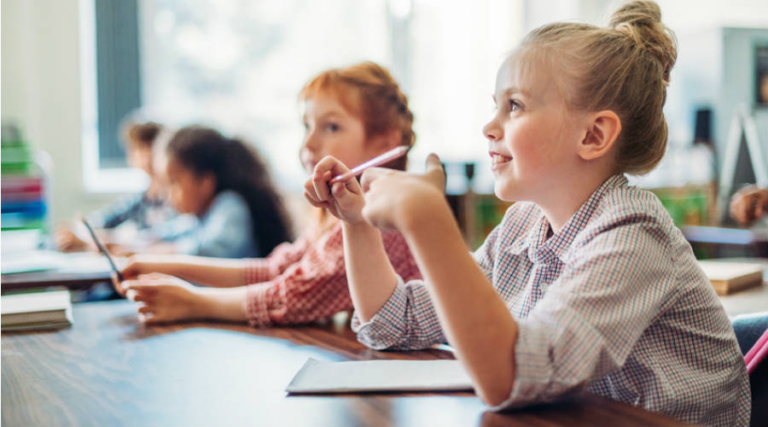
306, 280
614, 303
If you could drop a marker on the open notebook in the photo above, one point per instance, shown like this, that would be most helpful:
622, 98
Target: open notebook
379, 375
44, 310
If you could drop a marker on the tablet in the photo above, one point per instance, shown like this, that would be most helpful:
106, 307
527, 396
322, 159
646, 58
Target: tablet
103, 250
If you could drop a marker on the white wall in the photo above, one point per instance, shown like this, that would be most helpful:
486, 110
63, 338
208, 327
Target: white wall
41, 91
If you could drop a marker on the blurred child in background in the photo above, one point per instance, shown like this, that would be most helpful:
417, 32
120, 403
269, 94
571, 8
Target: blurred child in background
225, 185
144, 210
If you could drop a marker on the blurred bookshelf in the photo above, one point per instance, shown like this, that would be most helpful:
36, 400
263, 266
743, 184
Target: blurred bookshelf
25, 201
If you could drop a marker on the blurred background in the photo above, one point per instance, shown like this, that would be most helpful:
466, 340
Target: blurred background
72, 69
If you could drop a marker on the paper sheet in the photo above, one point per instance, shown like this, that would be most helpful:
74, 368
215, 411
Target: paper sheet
380, 375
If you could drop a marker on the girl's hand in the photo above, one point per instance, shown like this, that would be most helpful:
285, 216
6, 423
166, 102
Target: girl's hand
137, 265
165, 298
344, 200
399, 200
748, 204
133, 267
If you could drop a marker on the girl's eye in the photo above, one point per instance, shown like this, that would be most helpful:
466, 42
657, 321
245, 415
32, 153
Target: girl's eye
332, 127
514, 106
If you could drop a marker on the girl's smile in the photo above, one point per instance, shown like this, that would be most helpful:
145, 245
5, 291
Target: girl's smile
498, 161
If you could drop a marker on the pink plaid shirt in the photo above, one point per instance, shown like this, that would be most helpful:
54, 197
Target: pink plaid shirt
306, 280
614, 303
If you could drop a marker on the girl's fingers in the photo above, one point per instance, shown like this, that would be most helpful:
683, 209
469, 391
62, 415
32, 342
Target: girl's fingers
145, 309
314, 202
435, 171
154, 277
139, 286
326, 168
353, 186
338, 189
146, 297
309, 191
345, 199
342, 193
320, 183
370, 176
152, 320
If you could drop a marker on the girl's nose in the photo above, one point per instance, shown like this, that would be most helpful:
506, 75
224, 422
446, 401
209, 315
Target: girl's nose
310, 141
493, 131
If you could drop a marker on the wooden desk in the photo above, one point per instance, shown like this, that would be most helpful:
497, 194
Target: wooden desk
110, 370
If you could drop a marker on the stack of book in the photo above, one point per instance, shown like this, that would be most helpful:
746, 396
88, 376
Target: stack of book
23, 202
43, 310
729, 277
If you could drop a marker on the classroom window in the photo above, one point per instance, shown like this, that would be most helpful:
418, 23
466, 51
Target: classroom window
110, 89
238, 65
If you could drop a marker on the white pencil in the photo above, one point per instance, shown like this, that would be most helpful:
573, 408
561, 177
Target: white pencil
376, 161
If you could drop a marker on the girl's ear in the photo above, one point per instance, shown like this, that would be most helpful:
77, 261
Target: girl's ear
603, 130
207, 184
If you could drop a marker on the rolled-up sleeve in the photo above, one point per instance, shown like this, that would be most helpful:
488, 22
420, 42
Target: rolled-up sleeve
593, 315
259, 270
407, 321
313, 288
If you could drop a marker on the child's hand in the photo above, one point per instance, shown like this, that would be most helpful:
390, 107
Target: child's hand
137, 265
395, 200
748, 204
344, 200
118, 285
165, 298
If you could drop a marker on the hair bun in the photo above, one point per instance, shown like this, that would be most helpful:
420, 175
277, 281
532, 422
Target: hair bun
641, 20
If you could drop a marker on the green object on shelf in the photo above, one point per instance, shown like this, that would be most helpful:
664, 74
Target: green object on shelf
686, 207
17, 157
489, 211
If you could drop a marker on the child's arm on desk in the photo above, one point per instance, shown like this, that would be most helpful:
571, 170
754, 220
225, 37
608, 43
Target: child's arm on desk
216, 272
466, 302
168, 299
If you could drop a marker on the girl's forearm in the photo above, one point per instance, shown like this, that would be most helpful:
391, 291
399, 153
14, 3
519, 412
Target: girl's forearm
371, 277
474, 318
222, 304
216, 272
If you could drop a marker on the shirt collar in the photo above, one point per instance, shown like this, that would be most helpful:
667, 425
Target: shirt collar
542, 249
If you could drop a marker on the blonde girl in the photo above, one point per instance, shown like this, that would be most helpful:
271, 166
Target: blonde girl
586, 285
